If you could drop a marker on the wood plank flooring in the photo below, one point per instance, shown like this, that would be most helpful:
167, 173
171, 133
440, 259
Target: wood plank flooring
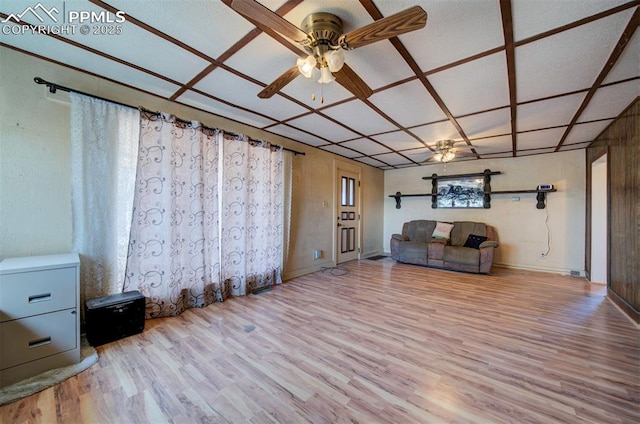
384, 343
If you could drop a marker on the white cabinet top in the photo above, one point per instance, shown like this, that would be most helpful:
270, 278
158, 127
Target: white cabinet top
35, 263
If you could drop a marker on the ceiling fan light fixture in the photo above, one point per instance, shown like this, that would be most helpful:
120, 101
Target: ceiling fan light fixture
334, 59
306, 66
438, 157
449, 155
325, 76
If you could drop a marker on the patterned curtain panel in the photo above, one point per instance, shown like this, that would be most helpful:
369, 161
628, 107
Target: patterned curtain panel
104, 146
251, 215
174, 244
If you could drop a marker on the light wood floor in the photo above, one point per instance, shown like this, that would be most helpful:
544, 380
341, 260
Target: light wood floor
385, 343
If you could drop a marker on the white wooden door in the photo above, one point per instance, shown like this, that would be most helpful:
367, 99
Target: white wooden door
348, 216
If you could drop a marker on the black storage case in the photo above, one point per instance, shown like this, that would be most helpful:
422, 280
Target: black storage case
113, 317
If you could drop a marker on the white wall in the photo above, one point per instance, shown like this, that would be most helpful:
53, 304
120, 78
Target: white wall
599, 246
35, 181
520, 226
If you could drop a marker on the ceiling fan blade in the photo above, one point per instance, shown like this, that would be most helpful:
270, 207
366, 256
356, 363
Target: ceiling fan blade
266, 19
406, 21
279, 83
348, 78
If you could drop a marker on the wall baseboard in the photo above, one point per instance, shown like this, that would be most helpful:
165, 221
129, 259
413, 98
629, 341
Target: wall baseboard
624, 307
561, 271
289, 274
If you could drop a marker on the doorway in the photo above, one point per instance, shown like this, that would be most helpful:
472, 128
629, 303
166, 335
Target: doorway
348, 216
599, 222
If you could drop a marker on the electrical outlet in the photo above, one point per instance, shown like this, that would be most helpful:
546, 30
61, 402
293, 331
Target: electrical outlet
543, 255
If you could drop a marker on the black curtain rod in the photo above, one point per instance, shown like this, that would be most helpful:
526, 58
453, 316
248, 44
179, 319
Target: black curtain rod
53, 87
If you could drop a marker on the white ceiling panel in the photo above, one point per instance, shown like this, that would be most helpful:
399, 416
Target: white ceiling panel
263, 59
241, 92
487, 124
628, 65
67, 54
501, 143
366, 146
539, 139
474, 86
140, 47
392, 158
176, 40
532, 17
370, 161
298, 135
537, 151
205, 103
568, 61
438, 131
404, 104
550, 113
497, 155
609, 102
379, 64
398, 140
360, 117
455, 29
208, 26
323, 127
419, 156
586, 132
339, 150
575, 146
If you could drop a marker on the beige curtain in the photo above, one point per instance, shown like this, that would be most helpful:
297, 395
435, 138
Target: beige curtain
174, 244
104, 146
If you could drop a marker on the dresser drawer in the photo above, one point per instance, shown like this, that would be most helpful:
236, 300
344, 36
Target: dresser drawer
37, 292
32, 338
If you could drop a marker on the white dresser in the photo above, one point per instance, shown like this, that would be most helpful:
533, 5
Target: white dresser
39, 315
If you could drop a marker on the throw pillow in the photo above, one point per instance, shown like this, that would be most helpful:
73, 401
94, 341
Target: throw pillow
442, 230
474, 241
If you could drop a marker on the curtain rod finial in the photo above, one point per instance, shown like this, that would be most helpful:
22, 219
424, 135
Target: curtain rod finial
39, 80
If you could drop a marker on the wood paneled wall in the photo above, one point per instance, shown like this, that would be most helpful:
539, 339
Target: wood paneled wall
620, 142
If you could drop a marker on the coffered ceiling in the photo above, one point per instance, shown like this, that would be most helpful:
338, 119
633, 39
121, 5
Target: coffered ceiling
505, 77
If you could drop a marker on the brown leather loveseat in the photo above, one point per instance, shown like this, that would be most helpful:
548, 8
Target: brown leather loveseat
468, 247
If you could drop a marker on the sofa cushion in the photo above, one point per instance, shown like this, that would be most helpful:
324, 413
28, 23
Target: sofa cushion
413, 252
442, 231
420, 230
462, 255
462, 229
473, 241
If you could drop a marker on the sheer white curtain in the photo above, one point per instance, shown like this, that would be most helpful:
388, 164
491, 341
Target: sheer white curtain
174, 243
251, 214
104, 146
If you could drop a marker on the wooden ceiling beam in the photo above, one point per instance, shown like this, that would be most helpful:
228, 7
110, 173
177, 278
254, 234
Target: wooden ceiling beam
510, 51
373, 11
628, 32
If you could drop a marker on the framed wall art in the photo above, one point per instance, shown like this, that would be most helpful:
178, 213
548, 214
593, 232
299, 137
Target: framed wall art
465, 192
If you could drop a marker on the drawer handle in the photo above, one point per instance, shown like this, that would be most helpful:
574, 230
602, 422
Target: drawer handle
39, 342
39, 297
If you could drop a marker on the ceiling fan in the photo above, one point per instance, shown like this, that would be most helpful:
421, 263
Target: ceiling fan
445, 151
323, 41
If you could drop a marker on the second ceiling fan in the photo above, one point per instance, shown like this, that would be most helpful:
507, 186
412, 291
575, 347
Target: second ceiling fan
323, 41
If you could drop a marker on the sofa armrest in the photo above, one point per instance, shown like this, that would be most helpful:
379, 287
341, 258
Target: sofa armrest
399, 237
489, 243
